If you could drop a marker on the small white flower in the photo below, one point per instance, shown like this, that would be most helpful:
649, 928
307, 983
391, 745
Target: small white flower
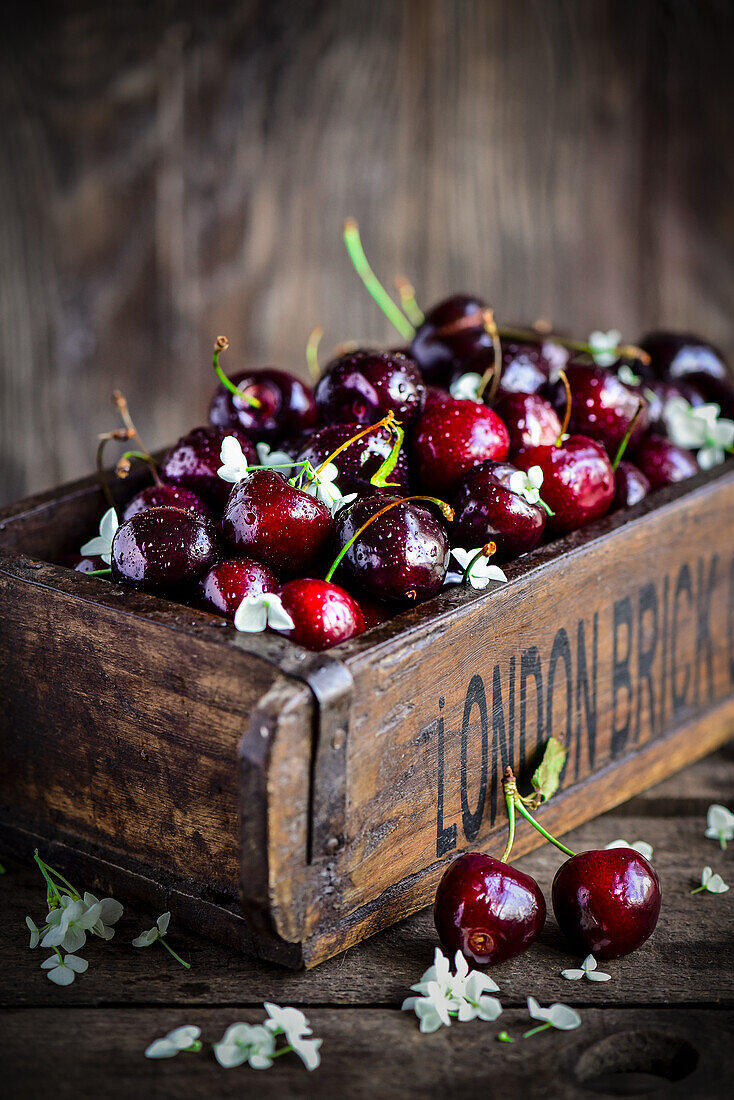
700, 428
181, 1038
464, 388
274, 460
322, 485
234, 466
528, 484
719, 824
482, 572
290, 1021
443, 994
559, 1016
626, 375
251, 1043
110, 913
63, 972
257, 612
476, 1005
308, 1051
433, 1008
70, 924
35, 932
146, 939
603, 346
587, 970
713, 882
640, 846
102, 543
556, 356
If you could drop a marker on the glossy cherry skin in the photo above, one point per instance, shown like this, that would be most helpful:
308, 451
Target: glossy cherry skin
83, 563
451, 334
162, 549
453, 436
676, 355
487, 909
401, 557
359, 461
324, 613
606, 902
362, 386
578, 481
718, 391
225, 586
276, 523
166, 496
602, 407
630, 486
662, 462
488, 510
531, 421
193, 462
286, 405
525, 368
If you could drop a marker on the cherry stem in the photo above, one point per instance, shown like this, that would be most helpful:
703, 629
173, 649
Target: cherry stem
486, 551
121, 402
511, 827
494, 372
373, 285
627, 435
312, 353
103, 440
567, 414
509, 783
448, 513
122, 469
411, 309
98, 572
628, 351
221, 344
176, 956
386, 422
535, 1030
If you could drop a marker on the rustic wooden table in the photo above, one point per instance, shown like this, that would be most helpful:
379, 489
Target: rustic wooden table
662, 1025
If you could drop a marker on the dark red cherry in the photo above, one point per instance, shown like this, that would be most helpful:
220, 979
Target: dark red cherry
531, 421
324, 613
401, 557
225, 586
358, 462
602, 407
676, 355
662, 462
286, 405
166, 496
435, 396
192, 463
83, 563
276, 523
630, 486
162, 549
451, 334
362, 386
578, 480
487, 910
606, 902
488, 510
452, 437
718, 391
525, 366
375, 611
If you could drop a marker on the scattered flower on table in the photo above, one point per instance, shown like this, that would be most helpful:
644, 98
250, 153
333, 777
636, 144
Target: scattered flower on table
257, 1044
443, 995
586, 970
604, 346
184, 1038
101, 544
719, 824
712, 882
640, 846
258, 611
234, 466
156, 934
63, 969
69, 923
291, 1023
557, 1015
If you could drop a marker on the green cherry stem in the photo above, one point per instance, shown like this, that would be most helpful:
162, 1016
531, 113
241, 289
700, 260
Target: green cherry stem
627, 435
510, 828
535, 1030
386, 422
411, 309
627, 351
57, 874
175, 954
493, 372
509, 784
122, 469
373, 285
486, 551
312, 353
122, 407
221, 344
447, 512
98, 573
102, 441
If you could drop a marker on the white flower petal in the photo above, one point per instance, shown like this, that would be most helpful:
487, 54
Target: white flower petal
108, 525
563, 1017
715, 884
308, 1051
598, 976
573, 975
535, 477
161, 1048
96, 546
182, 1037
62, 975
489, 1008
252, 615
230, 1054
163, 921
277, 616
589, 963
76, 964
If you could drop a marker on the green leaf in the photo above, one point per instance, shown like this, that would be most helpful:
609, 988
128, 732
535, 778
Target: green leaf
548, 773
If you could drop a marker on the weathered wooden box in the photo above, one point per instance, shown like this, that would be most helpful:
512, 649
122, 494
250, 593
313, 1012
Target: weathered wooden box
293, 803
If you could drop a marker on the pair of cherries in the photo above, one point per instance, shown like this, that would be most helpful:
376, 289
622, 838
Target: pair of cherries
606, 902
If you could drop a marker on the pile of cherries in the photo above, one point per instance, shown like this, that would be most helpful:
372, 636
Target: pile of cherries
534, 450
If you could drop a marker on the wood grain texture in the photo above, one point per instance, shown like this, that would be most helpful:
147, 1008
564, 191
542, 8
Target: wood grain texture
172, 170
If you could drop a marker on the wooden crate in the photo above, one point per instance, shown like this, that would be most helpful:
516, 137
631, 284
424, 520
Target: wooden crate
294, 803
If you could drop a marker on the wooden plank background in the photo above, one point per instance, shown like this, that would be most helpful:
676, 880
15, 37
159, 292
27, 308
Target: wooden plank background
172, 170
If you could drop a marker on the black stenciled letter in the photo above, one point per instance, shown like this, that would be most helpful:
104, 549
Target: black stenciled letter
683, 584
475, 696
502, 742
445, 837
530, 666
646, 653
582, 683
621, 678
561, 651
703, 633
